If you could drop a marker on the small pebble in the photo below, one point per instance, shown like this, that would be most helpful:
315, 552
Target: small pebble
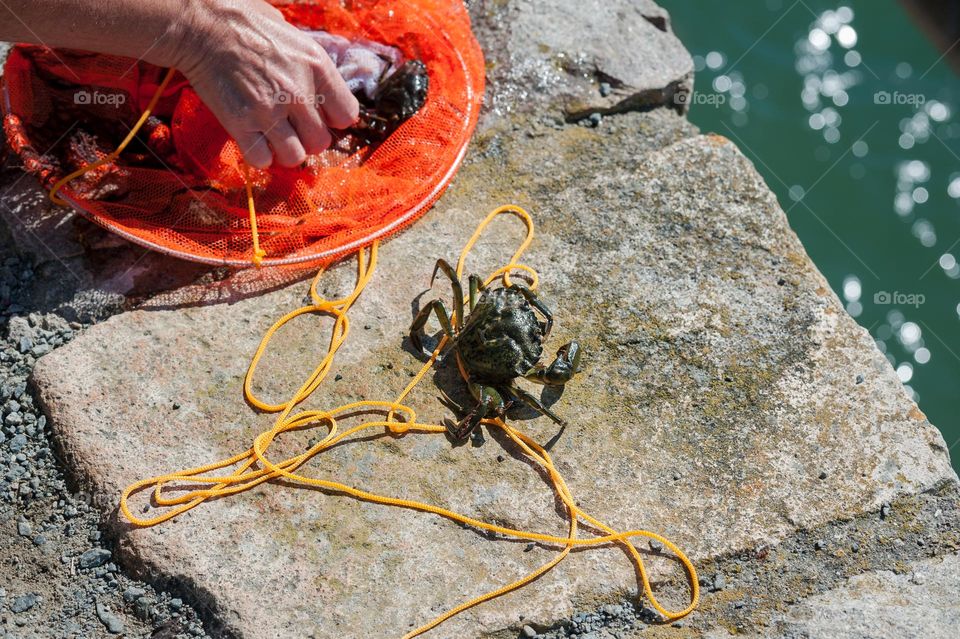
859, 379
133, 593
819, 544
595, 119
24, 603
605, 89
24, 528
719, 582
94, 558
18, 441
884, 511
176, 604
528, 632
823, 474
655, 545
855, 547
337, 377
113, 623
143, 608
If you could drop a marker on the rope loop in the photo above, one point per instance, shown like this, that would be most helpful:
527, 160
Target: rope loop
253, 467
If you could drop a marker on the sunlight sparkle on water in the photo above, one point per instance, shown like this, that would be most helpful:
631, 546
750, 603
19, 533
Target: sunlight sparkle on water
852, 288
905, 372
953, 189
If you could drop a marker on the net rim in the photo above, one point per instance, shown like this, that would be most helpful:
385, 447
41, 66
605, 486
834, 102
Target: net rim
280, 261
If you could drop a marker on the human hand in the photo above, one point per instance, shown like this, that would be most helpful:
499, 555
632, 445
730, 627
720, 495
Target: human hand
273, 88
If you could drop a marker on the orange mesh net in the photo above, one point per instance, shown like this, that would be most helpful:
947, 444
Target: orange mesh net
179, 187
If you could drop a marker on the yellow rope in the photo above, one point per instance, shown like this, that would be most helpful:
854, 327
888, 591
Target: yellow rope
255, 467
258, 253
246, 476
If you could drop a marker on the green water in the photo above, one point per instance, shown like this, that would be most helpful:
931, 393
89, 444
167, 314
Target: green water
853, 120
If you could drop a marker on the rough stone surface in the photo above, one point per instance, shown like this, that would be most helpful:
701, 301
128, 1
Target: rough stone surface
539, 51
923, 601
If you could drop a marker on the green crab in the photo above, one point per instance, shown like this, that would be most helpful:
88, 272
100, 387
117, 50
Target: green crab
500, 340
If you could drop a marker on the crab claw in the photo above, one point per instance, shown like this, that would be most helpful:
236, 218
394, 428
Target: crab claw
561, 370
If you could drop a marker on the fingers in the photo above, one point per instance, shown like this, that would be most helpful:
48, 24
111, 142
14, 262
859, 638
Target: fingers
313, 133
287, 149
290, 141
340, 108
255, 150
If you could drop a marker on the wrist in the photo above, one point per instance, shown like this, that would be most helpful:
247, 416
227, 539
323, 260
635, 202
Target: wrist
179, 45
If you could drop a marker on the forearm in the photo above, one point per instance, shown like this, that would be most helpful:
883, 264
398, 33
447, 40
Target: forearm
238, 55
152, 30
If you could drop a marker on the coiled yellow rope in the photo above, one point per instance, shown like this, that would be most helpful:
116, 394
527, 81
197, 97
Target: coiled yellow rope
253, 467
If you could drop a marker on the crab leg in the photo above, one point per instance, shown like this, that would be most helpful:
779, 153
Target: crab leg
535, 404
490, 404
475, 285
443, 265
416, 328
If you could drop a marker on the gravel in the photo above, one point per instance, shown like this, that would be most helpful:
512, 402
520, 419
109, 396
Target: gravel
59, 579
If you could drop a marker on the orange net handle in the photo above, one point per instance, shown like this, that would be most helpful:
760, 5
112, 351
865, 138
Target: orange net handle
253, 467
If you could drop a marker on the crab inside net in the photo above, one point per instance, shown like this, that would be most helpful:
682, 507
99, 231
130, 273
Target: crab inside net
179, 187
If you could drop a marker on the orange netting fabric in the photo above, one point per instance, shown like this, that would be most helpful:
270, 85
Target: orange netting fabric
179, 187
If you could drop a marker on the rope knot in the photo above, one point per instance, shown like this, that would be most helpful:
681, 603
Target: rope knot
398, 428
